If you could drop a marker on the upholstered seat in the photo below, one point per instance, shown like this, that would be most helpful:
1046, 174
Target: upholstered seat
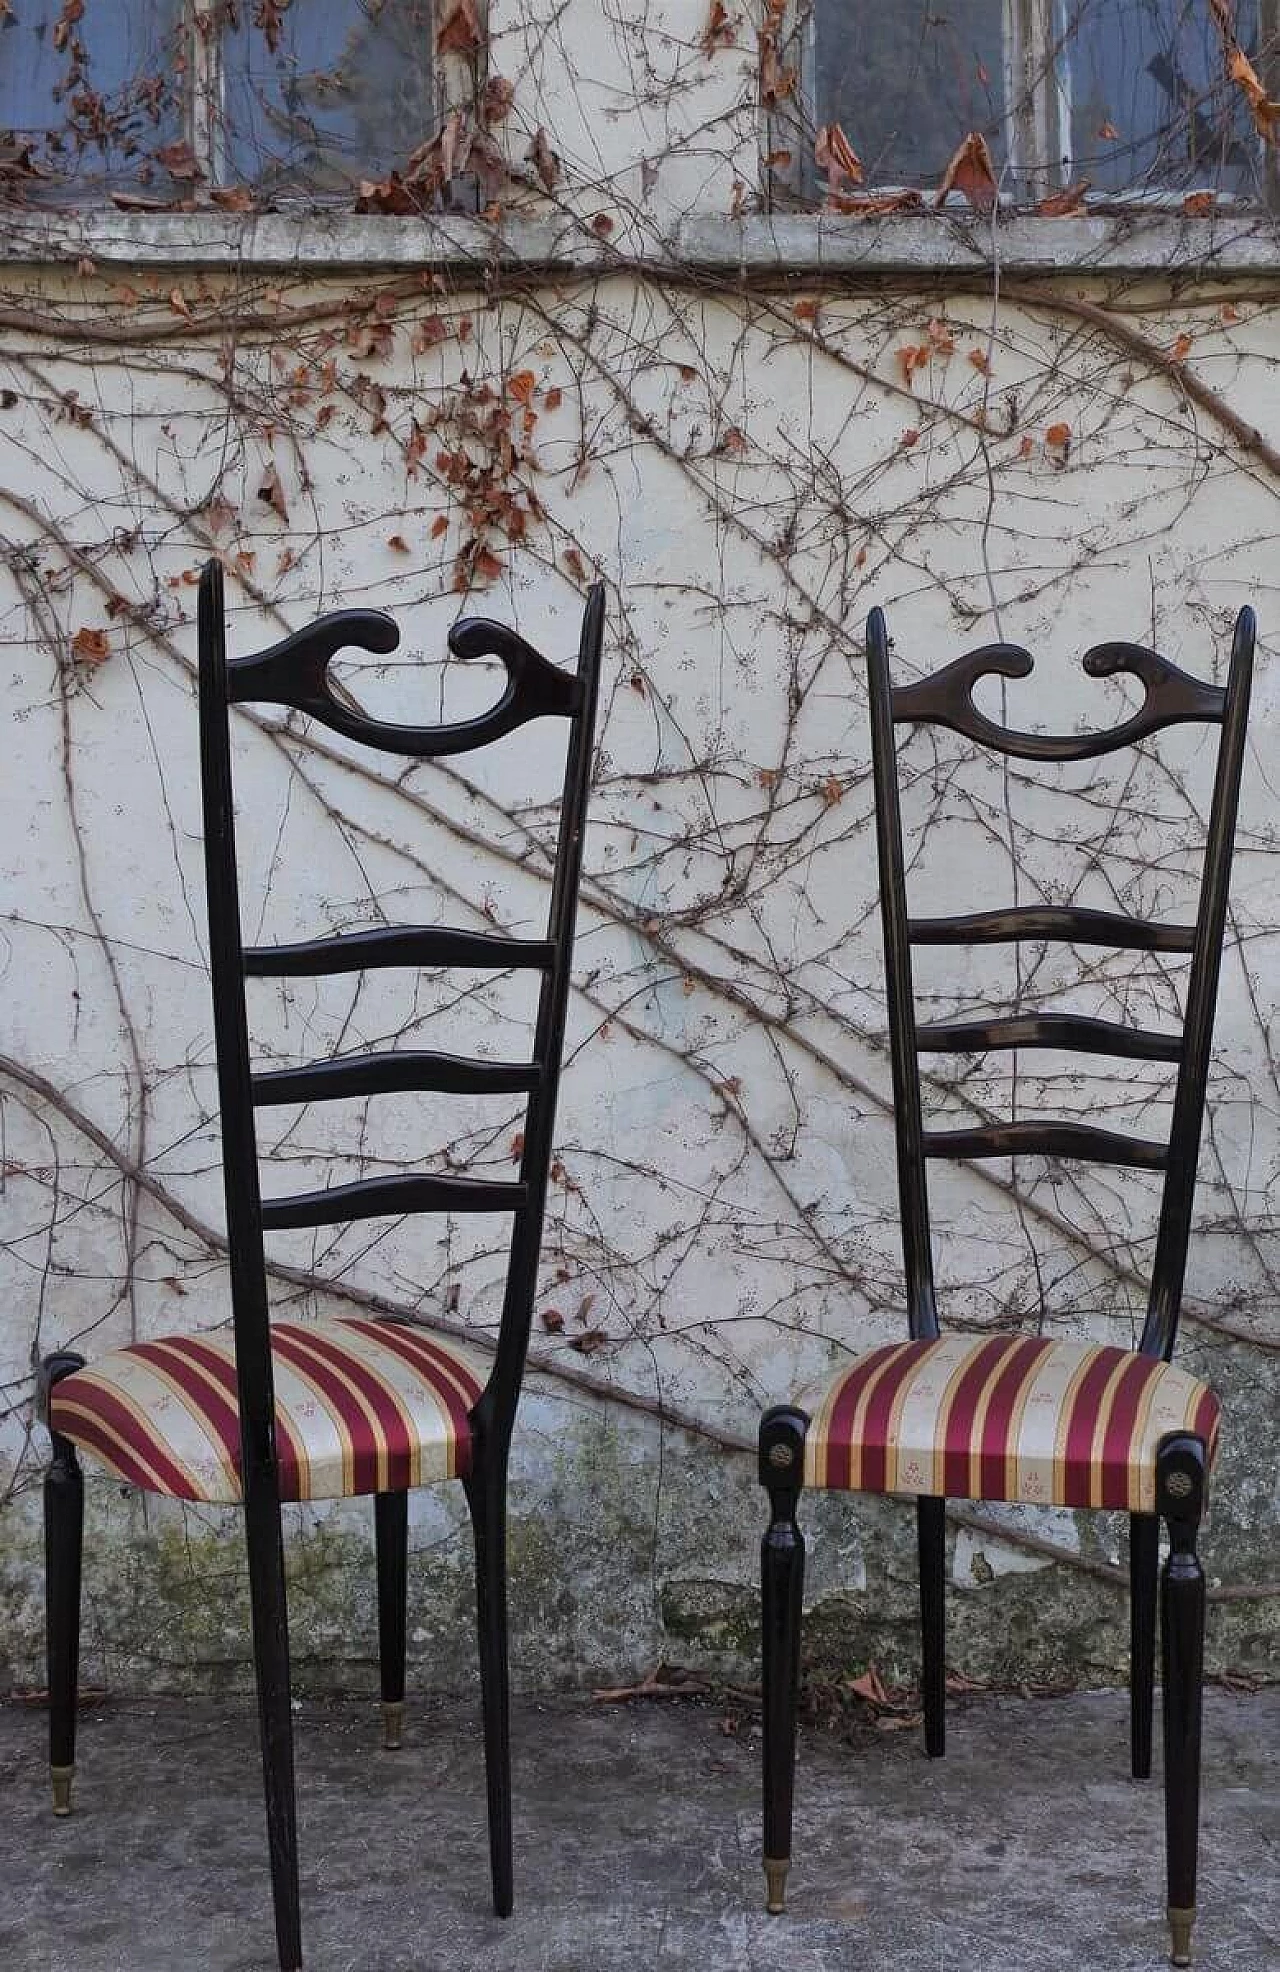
361, 1407
1004, 1418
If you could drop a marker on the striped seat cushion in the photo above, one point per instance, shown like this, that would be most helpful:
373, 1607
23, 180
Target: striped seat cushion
1004, 1418
361, 1407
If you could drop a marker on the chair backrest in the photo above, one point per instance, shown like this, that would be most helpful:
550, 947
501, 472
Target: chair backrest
946, 699
294, 673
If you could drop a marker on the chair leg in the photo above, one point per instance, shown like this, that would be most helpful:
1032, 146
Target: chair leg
931, 1538
63, 1540
782, 1433
391, 1537
1144, 1559
486, 1492
271, 1666
1180, 1479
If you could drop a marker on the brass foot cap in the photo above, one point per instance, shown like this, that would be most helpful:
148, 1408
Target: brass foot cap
61, 1779
775, 1876
1180, 1923
393, 1726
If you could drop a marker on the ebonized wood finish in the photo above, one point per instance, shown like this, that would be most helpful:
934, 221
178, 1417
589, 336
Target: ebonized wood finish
295, 673
1170, 697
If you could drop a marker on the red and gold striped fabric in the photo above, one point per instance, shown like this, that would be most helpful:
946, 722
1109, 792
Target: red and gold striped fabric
361, 1407
1004, 1418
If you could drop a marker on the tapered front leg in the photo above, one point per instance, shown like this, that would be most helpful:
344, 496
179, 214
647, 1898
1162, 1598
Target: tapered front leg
1144, 1563
275, 1717
931, 1535
782, 1433
63, 1546
391, 1535
1180, 1483
486, 1492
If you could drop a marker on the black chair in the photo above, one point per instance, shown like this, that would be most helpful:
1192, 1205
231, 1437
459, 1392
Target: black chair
1018, 1417
302, 1410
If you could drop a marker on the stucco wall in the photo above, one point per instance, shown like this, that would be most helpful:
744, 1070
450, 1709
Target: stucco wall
750, 461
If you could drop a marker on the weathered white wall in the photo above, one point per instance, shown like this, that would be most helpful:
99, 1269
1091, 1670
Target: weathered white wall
749, 467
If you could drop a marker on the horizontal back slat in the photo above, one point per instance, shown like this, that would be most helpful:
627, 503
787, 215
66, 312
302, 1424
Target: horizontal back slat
1063, 921
1047, 1140
1047, 1030
378, 1198
388, 945
384, 1074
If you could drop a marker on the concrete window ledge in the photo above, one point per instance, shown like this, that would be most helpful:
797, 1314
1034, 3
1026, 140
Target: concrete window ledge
1225, 246
311, 238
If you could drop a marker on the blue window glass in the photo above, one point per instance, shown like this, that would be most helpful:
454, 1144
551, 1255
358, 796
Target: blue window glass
345, 94
1152, 106
907, 83
94, 91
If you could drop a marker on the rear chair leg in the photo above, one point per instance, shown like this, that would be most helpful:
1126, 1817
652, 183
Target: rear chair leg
271, 1666
486, 1492
391, 1536
1144, 1561
63, 1545
1180, 1483
931, 1534
782, 1433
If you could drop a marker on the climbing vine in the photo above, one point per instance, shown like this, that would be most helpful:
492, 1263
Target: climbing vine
749, 460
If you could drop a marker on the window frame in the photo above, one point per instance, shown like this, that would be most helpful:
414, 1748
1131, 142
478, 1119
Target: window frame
204, 110
199, 40
1039, 146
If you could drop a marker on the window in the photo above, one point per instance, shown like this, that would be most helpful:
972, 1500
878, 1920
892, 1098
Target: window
144, 99
1135, 96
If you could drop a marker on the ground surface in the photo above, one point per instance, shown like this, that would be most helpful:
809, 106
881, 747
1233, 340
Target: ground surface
1026, 1850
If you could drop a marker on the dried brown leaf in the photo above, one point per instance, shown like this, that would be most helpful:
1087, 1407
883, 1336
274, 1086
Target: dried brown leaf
271, 493
143, 202
179, 160
544, 160
496, 99
874, 204
834, 154
1265, 113
721, 29
459, 29
971, 173
90, 647
269, 16
1060, 205
387, 195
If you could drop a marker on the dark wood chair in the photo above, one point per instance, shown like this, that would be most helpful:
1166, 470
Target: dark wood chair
338, 1408
1024, 1417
